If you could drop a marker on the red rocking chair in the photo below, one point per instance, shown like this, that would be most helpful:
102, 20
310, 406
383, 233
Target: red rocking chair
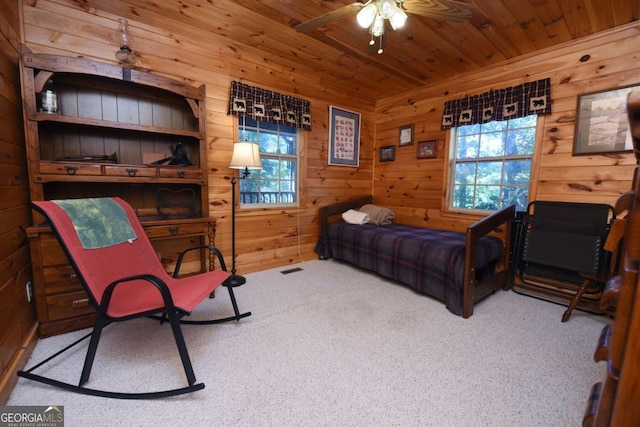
120, 271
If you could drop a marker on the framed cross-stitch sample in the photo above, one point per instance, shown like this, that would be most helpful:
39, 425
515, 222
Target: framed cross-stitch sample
344, 137
602, 125
406, 135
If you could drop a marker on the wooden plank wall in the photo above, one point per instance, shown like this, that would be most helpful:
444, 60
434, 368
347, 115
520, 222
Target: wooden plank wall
415, 188
17, 316
265, 238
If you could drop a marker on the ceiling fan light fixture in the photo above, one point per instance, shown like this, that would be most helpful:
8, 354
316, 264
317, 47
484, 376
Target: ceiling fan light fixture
366, 15
398, 19
377, 28
387, 8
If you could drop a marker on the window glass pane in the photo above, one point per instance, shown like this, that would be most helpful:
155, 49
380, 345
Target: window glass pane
250, 135
467, 147
494, 126
487, 197
268, 143
528, 121
517, 171
287, 169
491, 144
270, 168
489, 173
463, 196
288, 144
521, 143
515, 195
467, 130
465, 173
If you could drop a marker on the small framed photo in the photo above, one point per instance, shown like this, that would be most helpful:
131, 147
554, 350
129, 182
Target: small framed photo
427, 149
406, 135
602, 125
388, 153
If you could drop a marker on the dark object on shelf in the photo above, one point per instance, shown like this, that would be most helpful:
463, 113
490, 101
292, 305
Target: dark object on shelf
112, 158
179, 157
173, 201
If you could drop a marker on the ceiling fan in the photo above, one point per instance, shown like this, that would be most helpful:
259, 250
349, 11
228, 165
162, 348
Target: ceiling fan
374, 13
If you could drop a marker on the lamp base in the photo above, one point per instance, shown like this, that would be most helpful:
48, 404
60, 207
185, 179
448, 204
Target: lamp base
234, 280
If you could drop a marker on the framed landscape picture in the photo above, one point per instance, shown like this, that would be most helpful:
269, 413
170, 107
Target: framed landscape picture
602, 125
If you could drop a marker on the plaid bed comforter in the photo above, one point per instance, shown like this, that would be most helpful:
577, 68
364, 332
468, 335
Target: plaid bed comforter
430, 261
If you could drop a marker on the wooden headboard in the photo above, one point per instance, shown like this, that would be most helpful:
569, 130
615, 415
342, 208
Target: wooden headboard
326, 212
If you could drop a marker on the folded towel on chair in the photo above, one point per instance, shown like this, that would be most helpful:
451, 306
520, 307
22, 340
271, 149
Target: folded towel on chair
354, 217
378, 214
106, 225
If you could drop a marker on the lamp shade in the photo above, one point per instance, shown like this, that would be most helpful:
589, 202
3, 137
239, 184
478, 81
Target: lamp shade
366, 15
245, 155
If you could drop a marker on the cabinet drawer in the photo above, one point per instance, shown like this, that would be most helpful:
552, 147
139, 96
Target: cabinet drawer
59, 280
130, 171
186, 173
68, 305
51, 251
170, 230
64, 168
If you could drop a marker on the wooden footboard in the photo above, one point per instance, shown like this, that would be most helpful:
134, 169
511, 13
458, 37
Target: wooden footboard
473, 290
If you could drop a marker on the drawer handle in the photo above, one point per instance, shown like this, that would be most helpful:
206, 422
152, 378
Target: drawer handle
71, 170
80, 302
181, 174
73, 276
132, 172
174, 230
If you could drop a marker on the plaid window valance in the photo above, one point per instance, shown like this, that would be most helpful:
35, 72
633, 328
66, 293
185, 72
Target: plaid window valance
267, 106
501, 104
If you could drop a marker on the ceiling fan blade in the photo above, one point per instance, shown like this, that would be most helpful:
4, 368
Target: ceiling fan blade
322, 20
448, 10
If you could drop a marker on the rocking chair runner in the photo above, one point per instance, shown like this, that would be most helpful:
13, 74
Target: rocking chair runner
120, 271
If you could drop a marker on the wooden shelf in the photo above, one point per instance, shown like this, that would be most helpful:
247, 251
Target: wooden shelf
107, 124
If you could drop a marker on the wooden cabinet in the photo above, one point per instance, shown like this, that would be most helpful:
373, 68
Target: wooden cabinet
61, 303
93, 130
108, 122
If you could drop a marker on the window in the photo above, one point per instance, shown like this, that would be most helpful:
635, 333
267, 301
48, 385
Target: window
491, 164
277, 182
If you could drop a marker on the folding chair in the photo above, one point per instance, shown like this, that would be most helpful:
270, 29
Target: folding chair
559, 241
613, 245
124, 279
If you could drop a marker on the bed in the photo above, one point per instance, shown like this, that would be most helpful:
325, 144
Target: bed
457, 268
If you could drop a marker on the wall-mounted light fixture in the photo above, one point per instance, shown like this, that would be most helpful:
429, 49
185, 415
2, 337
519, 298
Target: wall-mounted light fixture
125, 55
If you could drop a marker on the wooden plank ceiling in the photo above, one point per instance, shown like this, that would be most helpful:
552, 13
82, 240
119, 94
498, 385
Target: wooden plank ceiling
423, 52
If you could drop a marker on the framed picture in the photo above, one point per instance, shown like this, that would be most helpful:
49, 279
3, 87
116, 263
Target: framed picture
602, 125
427, 149
388, 153
344, 137
406, 135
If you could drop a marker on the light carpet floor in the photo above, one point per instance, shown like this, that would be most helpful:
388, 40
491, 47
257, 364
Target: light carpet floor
333, 345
